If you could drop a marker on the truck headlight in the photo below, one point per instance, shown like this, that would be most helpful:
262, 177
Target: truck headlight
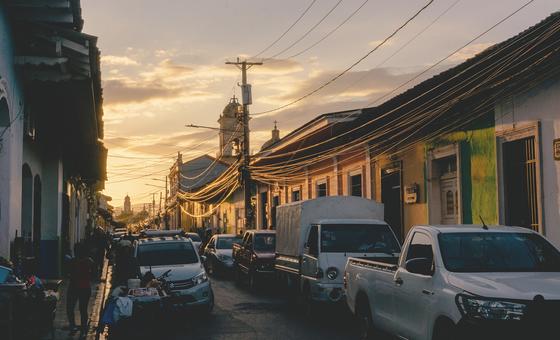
332, 273
488, 309
200, 278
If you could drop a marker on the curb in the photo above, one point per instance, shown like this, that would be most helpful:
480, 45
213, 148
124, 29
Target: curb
99, 304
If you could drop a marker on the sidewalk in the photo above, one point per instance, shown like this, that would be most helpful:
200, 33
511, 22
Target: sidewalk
95, 306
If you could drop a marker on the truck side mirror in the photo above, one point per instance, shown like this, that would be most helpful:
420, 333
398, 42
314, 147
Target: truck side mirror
421, 265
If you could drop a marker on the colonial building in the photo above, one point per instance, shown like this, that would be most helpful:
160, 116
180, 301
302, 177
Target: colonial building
478, 143
53, 161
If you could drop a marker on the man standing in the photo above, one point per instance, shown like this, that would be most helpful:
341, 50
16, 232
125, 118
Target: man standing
79, 289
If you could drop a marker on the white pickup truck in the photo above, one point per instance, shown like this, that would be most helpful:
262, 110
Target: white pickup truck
460, 282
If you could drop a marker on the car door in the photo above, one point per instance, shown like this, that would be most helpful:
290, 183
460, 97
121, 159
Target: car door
414, 294
247, 252
210, 250
309, 259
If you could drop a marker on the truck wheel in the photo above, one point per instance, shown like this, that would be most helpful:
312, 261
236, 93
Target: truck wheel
238, 275
253, 281
363, 314
444, 329
210, 266
306, 301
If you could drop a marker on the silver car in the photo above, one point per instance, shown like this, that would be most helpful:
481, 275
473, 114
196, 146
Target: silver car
187, 278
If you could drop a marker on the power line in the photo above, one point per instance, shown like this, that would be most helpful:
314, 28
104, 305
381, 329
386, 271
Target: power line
450, 55
330, 32
286, 31
306, 33
351, 66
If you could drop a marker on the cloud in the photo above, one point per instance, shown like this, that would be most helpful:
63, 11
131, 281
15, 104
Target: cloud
469, 52
114, 60
117, 91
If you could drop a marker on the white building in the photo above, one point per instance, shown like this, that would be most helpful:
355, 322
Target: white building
52, 161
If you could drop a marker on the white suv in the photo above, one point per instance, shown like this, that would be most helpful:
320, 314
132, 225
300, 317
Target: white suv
187, 278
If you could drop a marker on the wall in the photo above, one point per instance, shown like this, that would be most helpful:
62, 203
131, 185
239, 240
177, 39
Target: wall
541, 104
11, 143
477, 169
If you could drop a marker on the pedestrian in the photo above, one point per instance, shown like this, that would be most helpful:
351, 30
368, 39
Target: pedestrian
79, 289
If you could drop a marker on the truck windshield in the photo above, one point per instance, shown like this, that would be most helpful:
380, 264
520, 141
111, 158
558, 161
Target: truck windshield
358, 238
498, 252
227, 242
265, 242
168, 253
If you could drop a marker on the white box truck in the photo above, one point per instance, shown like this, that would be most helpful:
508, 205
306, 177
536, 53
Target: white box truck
314, 238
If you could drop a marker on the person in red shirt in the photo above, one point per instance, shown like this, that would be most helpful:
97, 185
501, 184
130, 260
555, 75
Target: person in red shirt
79, 288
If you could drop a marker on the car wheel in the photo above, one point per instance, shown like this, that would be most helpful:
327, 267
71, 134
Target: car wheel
363, 314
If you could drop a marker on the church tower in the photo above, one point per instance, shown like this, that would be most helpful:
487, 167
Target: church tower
127, 206
231, 130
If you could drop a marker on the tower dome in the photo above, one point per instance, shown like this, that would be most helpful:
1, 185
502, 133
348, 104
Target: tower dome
232, 108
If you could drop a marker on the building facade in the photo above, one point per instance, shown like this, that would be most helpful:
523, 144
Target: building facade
55, 159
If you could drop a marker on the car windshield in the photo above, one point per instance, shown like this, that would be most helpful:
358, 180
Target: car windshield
498, 252
194, 237
166, 253
358, 238
265, 242
227, 242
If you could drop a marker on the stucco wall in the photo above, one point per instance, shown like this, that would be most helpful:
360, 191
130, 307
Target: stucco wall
541, 104
477, 168
11, 144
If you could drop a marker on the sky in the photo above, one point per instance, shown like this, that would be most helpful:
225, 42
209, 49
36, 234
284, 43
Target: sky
163, 66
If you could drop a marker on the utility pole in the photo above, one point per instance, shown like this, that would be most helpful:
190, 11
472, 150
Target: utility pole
244, 168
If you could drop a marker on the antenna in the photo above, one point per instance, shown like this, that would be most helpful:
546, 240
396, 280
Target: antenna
484, 226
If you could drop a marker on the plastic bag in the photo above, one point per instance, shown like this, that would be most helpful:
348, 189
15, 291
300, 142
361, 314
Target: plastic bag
107, 318
123, 308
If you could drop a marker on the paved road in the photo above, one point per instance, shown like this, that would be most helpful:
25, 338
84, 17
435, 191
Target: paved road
263, 314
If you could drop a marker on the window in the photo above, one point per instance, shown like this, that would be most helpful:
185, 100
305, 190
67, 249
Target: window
420, 247
226, 242
162, 254
296, 195
356, 185
321, 189
313, 241
358, 238
498, 252
249, 241
265, 242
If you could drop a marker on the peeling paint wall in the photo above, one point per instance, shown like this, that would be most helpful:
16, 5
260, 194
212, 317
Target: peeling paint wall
477, 168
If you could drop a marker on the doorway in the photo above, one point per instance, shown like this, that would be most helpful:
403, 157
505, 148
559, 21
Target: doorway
391, 197
521, 205
37, 216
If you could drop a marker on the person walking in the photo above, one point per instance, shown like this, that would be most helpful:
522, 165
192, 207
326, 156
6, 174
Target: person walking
79, 289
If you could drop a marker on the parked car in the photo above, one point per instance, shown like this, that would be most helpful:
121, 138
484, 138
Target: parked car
460, 282
187, 278
219, 253
315, 238
254, 256
196, 240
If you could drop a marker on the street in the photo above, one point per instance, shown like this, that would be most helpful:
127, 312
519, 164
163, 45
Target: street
263, 314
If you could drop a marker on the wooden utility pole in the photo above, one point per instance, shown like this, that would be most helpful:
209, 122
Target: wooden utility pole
244, 168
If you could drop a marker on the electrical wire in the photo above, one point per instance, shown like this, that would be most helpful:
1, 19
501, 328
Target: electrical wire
335, 78
287, 30
306, 33
326, 35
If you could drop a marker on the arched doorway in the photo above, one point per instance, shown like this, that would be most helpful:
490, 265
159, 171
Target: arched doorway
4, 114
37, 216
27, 207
